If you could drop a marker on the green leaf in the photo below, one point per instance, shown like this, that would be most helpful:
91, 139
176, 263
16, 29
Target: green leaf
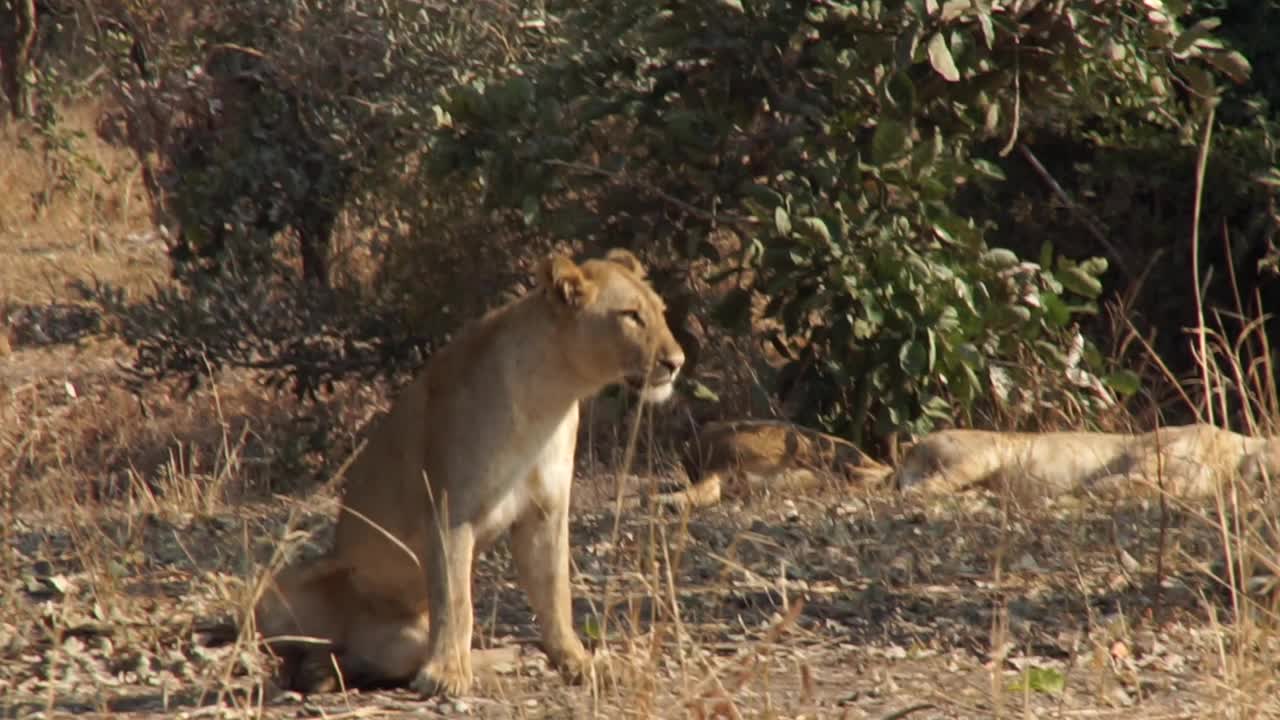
1075, 279
758, 211
1041, 680
937, 407
948, 320
991, 121
815, 228
1270, 177
926, 153
901, 93
763, 194
871, 309
999, 258
1201, 29
913, 358
531, 209
591, 627
1125, 382
1232, 63
984, 22
1094, 266
988, 169
782, 221
889, 141
702, 392
941, 60
1046, 254
1002, 316
1056, 311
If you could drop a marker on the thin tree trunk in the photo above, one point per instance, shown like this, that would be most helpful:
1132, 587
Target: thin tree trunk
17, 37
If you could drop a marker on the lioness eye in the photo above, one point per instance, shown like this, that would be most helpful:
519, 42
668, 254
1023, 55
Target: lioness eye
633, 316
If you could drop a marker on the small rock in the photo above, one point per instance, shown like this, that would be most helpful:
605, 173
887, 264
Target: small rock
1128, 563
1026, 563
1119, 697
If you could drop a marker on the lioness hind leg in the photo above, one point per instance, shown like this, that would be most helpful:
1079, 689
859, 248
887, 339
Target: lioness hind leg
300, 619
382, 655
540, 546
384, 650
327, 635
448, 554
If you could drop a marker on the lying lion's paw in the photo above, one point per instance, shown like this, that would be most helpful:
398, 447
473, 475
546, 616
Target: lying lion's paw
448, 679
584, 668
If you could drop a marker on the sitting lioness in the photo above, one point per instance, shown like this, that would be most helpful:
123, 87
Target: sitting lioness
482, 441
743, 457
1188, 461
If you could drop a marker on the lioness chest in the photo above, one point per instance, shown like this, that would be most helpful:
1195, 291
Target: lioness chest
535, 474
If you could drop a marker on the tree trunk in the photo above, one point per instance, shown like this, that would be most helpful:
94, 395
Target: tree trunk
17, 37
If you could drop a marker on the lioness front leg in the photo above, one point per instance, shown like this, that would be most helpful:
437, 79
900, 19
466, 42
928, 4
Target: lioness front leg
447, 670
540, 546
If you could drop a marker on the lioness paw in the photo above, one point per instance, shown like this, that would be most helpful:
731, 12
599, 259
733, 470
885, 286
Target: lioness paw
434, 680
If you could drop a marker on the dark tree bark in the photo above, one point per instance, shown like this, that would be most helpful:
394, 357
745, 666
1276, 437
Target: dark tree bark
17, 37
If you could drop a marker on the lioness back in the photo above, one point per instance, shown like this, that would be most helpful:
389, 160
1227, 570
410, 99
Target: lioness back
479, 443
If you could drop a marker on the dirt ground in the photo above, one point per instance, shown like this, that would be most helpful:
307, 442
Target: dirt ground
857, 605
135, 527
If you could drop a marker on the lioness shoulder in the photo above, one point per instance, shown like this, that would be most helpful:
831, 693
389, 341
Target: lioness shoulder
480, 443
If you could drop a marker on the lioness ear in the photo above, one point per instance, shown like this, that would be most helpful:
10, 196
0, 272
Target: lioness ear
626, 260
566, 282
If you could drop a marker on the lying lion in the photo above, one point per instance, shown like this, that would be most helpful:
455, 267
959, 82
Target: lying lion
1188, 461
745, 457
480, 443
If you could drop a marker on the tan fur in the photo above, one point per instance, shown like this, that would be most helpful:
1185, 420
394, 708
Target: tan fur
744, 457
1188, 461
480, 443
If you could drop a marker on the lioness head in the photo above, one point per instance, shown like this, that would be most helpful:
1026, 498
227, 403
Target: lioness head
614, 322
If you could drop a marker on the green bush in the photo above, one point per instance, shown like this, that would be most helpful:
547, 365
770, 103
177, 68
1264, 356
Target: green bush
858, 151
834, 139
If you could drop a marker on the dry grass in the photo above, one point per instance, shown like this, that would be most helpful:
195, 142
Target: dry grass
135, 532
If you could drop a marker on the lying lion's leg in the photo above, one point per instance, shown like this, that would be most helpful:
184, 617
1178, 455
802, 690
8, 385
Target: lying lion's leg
703, 493
540, 545
944, 478
448, 553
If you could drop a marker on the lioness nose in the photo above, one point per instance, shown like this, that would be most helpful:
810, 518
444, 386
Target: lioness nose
672, 361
